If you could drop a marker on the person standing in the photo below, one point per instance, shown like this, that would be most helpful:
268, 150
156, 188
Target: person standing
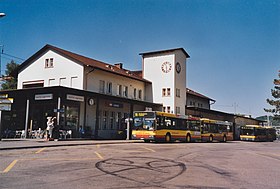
50, 126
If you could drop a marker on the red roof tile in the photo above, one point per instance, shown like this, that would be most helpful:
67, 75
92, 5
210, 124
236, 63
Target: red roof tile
191, 92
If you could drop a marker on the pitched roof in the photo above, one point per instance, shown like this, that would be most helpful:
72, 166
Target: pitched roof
191, 92
165, 51
85, 61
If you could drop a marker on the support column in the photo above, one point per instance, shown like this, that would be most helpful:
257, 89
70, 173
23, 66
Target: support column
85, 112
97, 120
26, 118
58, 110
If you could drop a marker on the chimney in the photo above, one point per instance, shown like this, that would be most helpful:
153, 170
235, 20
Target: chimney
119, 65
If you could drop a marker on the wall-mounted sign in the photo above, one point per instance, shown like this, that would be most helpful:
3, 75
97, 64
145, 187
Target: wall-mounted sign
75, 98
59, 110
114, 104
44, 97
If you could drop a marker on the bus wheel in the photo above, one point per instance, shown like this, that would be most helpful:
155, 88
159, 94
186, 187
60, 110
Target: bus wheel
211, 138
188, 138
167, 138
224, 139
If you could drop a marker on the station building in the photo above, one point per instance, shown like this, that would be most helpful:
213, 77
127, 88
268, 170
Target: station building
84, 92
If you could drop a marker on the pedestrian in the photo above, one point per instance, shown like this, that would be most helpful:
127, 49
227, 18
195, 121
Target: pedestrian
81, 131
50, 126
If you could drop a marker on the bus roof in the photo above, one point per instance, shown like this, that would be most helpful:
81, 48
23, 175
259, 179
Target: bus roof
252, 126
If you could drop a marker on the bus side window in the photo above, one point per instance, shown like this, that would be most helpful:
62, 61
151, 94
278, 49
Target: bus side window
161, 122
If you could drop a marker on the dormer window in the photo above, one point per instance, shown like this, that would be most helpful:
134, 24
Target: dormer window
49, 63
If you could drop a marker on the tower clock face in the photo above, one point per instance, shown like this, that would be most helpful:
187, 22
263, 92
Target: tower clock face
178, 67
166, 67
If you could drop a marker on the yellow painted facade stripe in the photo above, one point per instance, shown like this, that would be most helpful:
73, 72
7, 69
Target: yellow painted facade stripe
10, 166
99, 155
40, 150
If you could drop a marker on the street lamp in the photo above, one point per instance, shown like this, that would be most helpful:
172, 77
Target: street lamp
2, 14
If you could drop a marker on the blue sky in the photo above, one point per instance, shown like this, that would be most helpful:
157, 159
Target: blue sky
234, 44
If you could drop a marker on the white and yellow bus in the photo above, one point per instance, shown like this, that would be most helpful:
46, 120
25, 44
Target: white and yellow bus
166, 127
216, 130
158, 126
257, 133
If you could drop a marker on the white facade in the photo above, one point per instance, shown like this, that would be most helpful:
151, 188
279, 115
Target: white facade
120, 86
167, 72
67, 73
63, 72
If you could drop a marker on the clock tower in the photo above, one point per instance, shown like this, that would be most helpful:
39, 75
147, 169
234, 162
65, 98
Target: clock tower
166, 70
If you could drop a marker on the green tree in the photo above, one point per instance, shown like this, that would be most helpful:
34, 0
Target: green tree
9, 82
276, 101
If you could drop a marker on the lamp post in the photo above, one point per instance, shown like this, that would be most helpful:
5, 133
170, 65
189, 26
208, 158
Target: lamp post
1, 16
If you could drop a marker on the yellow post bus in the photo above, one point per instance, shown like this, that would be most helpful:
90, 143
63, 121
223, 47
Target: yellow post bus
257, 133
165, 127
216, 130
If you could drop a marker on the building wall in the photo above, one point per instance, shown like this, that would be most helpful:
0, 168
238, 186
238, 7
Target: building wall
63, 73
94, 78
152, 71
160, 69
180, 82
194, 101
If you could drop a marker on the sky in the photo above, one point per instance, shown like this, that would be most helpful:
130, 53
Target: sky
234, 45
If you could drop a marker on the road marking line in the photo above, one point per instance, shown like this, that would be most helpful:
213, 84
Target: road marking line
10, 166
98, 145
99, 155
149, 149
40, 150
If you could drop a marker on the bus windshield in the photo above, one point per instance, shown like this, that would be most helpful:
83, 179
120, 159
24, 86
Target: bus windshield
247, 131
144, 123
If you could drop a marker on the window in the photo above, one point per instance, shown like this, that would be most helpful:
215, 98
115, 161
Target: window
118, 120
177, 92
49, 63
168, 91
51, 82
164, 109
164, 92
105, 114
168, 109
119, 92
140, 94
102, 86
125, 92
112, 116
62, 81
177, 110
109, 88
33, 84
134, 93
74, 82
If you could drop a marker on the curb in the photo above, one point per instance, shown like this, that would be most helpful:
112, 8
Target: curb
94, 142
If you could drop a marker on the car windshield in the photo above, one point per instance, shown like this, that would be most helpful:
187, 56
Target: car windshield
144, 123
